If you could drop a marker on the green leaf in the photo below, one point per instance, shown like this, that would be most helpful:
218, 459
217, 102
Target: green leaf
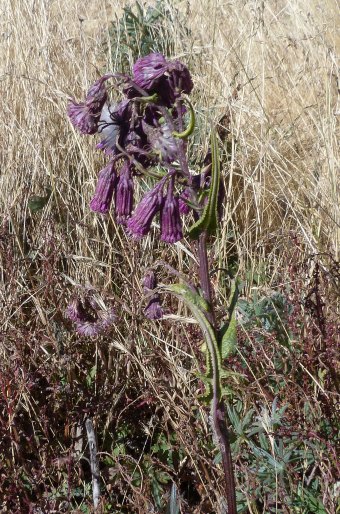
208, 220
199, 307
229, 338
228, 333
189, 295
36, 203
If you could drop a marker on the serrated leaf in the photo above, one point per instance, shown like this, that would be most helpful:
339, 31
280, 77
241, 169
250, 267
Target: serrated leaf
209, 219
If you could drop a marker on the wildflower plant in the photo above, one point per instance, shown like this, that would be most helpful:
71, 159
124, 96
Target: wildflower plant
145, 134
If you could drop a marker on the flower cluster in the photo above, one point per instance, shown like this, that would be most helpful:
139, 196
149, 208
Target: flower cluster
141, 134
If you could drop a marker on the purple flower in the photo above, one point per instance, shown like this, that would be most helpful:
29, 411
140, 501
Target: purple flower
162, 142
75, 311
153, 310
124, 194
85, 115
105, 319
104, 191
148, 70
140, 222
182, 201
82, 118
90, 314
155, 74
180, 77
171, 224
113, 123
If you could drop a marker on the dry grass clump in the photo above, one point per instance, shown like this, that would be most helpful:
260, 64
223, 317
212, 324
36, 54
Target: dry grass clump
266, 74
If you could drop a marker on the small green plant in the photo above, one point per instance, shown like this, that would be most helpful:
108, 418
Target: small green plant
141, 31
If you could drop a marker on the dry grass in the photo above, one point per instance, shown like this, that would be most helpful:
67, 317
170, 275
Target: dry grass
271, 67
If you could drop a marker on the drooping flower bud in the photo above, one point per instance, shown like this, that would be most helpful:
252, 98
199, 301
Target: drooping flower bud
171, 223
85, 115
182, 201
124, 194
153, 310
107, 179
140, 222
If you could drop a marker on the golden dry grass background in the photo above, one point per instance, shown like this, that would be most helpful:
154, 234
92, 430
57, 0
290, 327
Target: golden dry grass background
284, 162
282, 178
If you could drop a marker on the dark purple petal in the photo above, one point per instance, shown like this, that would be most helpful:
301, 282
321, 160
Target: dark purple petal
82, 118
171, 223
104, 191
154, 74
182, 201
181, 77
148, 70
140, 222
85, 115
149, 281
154, 309
124, 194
97, 95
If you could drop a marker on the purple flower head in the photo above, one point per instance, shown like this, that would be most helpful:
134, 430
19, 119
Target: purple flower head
154, 74
148, 70
85, 115
162, 142
76, 312
82, 118
140, 222
97, 95
113, 123
153, 310
124, 194
104, 191
171, 224
90, 314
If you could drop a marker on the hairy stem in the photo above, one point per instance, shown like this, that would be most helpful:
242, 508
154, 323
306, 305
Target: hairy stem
218, 411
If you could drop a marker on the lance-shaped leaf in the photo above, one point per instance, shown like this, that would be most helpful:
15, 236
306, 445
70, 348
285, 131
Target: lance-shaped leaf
199, 307
228, 333
208, 220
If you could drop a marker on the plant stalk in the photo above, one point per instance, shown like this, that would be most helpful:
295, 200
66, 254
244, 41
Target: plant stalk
218, 410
